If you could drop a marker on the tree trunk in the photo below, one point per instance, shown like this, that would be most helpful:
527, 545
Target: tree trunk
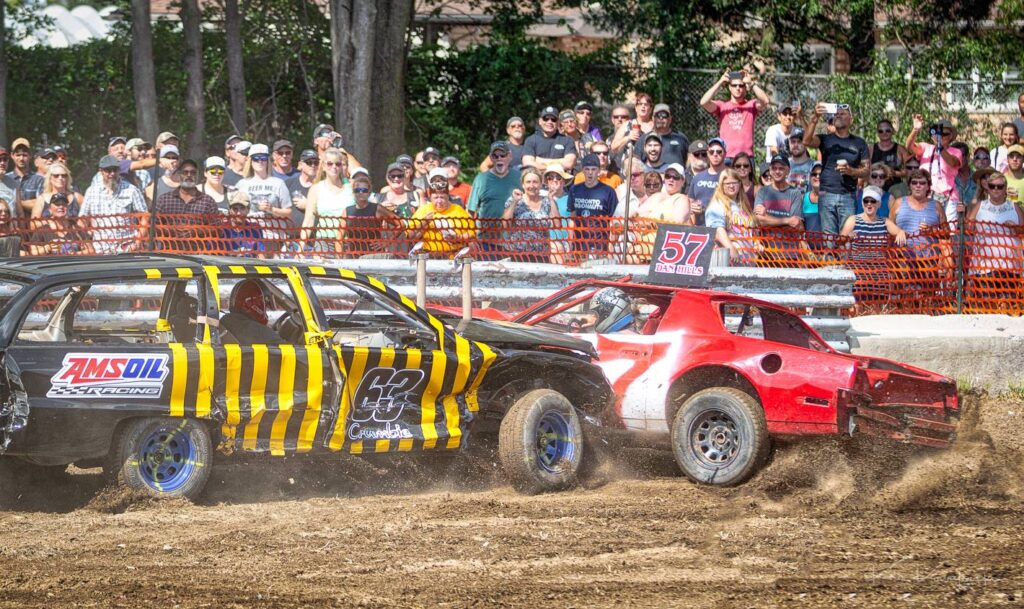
236, 71
3, 76
861, 44
368, 62
143, 75
195, 103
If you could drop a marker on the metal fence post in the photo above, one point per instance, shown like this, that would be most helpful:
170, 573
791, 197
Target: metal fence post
960, 264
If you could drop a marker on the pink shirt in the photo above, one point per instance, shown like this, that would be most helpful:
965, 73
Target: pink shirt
943, 175
736, 125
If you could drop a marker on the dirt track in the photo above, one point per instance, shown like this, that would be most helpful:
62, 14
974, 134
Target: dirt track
826, 524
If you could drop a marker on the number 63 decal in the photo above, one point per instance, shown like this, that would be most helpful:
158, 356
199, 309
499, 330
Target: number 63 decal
679, 245
383, 394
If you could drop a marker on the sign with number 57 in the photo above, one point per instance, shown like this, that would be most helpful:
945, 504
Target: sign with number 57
681, 255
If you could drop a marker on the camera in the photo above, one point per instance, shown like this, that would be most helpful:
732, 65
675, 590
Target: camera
337, 142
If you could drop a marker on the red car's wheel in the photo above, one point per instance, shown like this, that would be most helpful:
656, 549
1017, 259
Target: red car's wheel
720, 437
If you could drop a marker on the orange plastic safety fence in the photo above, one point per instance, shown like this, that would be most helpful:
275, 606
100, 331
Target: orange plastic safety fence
936, 271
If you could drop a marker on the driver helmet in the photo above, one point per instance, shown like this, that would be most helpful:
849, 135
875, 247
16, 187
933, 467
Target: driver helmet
247, 297
613, 308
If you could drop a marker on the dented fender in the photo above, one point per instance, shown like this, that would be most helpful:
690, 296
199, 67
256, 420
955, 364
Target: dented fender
14, 408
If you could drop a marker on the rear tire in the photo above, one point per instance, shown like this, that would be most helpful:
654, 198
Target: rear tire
720, 436
540, 443
163, 457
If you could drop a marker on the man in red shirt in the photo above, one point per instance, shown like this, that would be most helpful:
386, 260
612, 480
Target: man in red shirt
736, 117
456, 188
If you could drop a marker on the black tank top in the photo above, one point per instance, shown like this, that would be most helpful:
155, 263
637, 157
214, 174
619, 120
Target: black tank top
891, 158
361, 226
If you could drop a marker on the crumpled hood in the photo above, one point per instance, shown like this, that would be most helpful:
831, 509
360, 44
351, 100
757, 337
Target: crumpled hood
518, 336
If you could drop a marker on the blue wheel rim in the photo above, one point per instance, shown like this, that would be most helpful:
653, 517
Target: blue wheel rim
555, 445
167, 459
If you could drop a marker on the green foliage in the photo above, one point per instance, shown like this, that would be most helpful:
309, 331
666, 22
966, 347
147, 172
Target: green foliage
459, 101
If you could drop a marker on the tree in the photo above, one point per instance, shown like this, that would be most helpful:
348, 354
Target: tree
368, 58
236, 69
143, 79
3, 75
195, 103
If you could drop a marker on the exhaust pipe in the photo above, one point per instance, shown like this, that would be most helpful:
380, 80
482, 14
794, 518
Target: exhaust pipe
464, 259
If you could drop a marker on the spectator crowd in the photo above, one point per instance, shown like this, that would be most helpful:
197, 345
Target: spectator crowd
566, 192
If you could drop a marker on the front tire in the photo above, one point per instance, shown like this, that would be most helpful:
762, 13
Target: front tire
720, 437
540, 443
164, 457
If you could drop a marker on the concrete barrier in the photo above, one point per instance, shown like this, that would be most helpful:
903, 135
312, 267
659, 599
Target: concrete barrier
985, 351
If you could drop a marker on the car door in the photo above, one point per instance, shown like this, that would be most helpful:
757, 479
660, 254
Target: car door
271, 396
91, 352
407, 382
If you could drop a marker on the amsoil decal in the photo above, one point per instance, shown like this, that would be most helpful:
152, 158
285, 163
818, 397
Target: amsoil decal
122, 375
681, 255
378, 402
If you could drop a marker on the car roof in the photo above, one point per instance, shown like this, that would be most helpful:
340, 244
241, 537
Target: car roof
696, 293
35, 268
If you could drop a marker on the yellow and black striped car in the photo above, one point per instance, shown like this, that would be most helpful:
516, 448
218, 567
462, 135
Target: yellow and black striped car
134, 363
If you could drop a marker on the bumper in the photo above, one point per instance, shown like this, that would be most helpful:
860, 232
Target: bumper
931, 424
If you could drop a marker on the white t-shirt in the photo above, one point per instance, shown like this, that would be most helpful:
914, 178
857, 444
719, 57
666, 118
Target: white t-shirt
270, 189
774, 136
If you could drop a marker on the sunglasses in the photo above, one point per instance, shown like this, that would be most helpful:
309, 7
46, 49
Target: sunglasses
311, 162
738, 84
497, 156
885, 130
620, 117
439, 185
730, 183
553, 176
920, 183
587, 112
260, 158
997, 186
548, 119
360, 190
396, 177
332, 163
673, 176
701, 155
912, 167
61, 203
735, 166
878, 176
816, 175
189, 172
323, 134
867, 202
662, 115
215, 171
716, 152
982, 158
601, 152
652, 184
59, 175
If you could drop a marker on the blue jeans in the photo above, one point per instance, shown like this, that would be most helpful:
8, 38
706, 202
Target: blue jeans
834, 209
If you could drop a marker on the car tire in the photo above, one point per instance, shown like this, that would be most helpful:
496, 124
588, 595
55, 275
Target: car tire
164, 457
540, 443
720, 437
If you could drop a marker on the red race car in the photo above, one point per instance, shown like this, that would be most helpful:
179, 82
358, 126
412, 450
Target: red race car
718, 374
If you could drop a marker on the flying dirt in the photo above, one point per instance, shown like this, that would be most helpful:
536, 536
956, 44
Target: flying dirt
828, 523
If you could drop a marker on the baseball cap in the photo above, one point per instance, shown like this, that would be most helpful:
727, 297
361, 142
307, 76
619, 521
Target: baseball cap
166, 135
548, 111
3, 149
591, 160
698, 146
431, 150
404, 159
797, 134
321, 128
557, 169
719, 141
566, 115
451, 159
1015, 149
662, 108
109, 161
243, 147
215, 161
240, 197
169, 149
232, 138
652, 136
48, 152
394, 167
58, 196
279, 144
359, 170
583, 105
499, 145
437, 172
780, 158
18, 143
256, 149
676, 167
872, 192
117, 139
308, 155
135, 142
514, 119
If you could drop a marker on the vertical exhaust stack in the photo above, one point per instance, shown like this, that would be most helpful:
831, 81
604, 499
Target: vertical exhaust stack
464, 259
419, 257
